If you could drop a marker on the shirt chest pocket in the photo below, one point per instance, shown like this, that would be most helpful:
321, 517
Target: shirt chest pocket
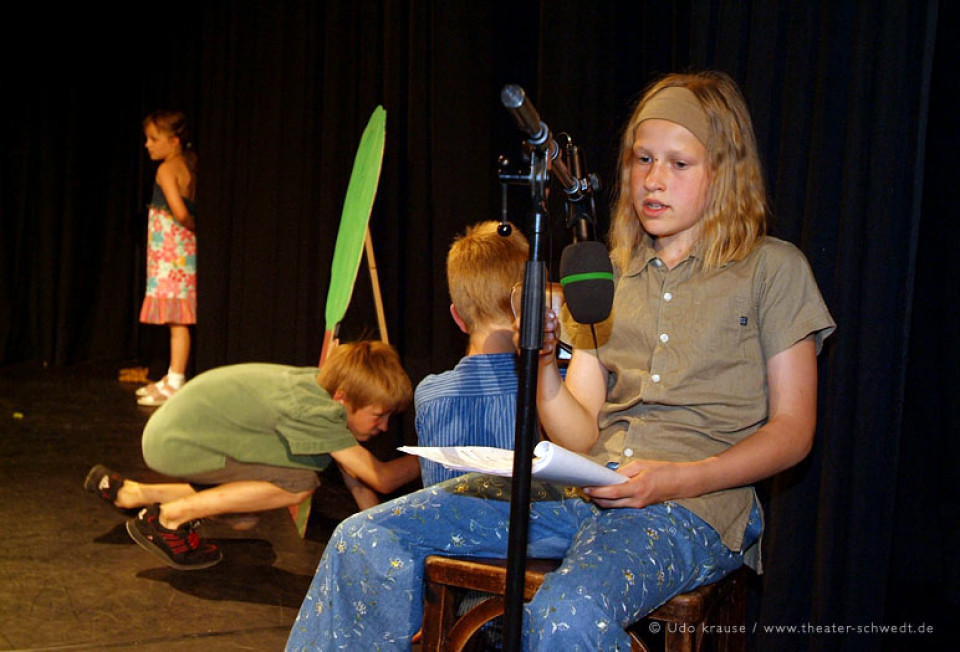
724, 330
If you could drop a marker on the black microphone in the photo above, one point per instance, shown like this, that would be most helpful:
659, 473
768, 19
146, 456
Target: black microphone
586, 275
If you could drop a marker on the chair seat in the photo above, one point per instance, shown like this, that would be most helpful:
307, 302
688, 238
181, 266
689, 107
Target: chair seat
722, 605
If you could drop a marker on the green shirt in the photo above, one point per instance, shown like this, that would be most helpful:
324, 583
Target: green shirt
255, 413
687, 351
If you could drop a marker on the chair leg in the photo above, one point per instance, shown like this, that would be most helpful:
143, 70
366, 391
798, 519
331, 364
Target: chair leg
680, 639
733, 615
438, 615
636, 643
470, 623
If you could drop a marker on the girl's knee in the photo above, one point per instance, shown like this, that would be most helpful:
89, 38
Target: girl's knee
573, 622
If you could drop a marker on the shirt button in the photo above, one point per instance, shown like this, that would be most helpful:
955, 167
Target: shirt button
664, 338
628, 452
667, 296
655, 378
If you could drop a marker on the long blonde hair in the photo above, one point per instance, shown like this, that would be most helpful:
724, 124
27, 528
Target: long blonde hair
735, 216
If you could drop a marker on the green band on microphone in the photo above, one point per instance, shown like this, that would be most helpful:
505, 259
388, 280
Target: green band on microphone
587, 276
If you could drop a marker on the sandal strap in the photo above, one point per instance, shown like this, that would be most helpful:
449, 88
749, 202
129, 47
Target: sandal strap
104, 482
164, 388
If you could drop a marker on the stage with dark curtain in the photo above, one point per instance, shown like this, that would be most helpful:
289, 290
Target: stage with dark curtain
852, 103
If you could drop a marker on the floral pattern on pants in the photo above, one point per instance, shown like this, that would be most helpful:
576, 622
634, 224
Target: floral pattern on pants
618, 565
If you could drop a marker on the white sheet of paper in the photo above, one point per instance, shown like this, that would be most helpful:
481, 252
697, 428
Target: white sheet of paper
551, 463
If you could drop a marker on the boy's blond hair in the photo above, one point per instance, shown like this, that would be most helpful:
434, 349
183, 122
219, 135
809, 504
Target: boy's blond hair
368, 372
735, 217
482, 268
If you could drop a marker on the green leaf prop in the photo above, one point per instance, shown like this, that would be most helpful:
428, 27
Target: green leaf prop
356, 215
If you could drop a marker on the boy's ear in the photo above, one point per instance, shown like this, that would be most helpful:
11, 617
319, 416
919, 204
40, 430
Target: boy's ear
462, 325
341, 398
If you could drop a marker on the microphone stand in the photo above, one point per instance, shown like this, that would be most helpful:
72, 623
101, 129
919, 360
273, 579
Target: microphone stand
543, 158
527, 428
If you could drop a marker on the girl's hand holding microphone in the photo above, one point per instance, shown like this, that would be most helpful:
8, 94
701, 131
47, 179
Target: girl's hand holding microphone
551, 320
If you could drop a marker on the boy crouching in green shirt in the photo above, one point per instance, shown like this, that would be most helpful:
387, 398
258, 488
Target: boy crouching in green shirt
259, 433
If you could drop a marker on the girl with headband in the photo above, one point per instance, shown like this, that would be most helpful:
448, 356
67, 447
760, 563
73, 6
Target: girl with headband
702, 382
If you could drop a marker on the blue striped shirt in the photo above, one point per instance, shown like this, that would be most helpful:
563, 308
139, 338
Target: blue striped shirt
473, 404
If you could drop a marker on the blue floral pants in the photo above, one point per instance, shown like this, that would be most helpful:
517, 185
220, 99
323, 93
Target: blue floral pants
618, 565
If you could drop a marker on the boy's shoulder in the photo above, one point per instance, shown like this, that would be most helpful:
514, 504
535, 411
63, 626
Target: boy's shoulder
474, 375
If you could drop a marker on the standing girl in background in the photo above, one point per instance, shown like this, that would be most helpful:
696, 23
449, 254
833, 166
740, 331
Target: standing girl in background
171, 296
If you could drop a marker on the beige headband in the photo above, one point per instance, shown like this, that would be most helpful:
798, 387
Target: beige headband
678, 104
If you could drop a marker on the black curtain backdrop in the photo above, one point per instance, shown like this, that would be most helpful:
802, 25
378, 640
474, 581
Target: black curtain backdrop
853, 107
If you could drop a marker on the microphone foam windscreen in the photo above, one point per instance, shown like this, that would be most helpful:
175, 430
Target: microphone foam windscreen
586, 275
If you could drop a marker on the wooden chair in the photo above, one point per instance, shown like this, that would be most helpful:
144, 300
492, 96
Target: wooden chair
713, 613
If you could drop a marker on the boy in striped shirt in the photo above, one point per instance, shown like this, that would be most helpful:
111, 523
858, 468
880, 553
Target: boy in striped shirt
474, 404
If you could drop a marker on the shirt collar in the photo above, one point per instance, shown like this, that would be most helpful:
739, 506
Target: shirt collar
644, 255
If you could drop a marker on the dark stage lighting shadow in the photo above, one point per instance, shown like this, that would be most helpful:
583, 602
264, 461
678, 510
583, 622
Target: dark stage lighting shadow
116, 536
246, 574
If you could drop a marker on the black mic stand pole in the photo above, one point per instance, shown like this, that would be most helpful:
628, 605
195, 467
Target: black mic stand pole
528, 424
544, 158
